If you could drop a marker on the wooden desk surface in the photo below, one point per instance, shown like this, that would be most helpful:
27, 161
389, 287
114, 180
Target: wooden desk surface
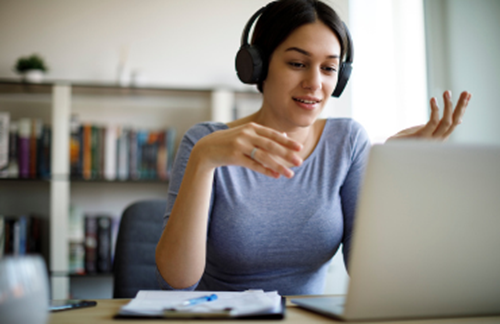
106, 308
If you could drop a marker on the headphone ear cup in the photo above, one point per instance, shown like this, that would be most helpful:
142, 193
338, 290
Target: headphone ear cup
249, 64
344, 74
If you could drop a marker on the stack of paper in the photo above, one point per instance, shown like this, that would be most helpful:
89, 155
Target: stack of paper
227, 304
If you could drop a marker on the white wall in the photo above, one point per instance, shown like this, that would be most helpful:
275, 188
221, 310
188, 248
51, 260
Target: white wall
463, 54
189, 43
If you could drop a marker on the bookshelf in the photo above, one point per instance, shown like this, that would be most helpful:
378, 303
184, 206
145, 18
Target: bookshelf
55, 103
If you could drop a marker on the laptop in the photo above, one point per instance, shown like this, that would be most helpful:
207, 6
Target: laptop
426, 241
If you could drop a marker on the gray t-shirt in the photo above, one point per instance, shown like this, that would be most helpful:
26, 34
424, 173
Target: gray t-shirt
279, 234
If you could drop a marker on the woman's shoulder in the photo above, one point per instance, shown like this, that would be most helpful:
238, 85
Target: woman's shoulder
199, 130
346, 126
345, 131
343, 123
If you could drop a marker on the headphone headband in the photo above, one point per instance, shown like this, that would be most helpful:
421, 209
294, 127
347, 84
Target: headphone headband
248, 26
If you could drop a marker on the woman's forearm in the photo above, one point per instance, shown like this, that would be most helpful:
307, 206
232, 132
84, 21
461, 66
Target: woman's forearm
180, 253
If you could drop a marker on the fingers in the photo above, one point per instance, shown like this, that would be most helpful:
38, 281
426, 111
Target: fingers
274, 149
447, 121
277, 137
433, 122
275, 153
264, 163
456, 119
258, 167
442, 128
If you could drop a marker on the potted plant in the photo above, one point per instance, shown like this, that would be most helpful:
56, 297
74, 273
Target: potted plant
32, 68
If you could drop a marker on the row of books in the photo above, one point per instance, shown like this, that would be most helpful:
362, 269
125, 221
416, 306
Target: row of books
96, 151
120, 153
92, 239
24, 148
20, 235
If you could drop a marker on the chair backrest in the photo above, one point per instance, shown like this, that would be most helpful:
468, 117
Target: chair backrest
134, 264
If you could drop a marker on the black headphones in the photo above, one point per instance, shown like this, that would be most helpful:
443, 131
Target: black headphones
249, 65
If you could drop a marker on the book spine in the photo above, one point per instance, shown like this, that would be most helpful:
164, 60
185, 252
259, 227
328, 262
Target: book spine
75, 149
87, 155
102, 151
110, 153
13, 168
90, 244
23, 224
104, 244
4, 141
133, 154
76, 258
36, 134
123, 154
170, 141
154, 156
24, 147
161, 158
95, 153
44, 152
76, 236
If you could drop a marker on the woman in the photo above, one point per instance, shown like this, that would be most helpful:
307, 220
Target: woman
265, 201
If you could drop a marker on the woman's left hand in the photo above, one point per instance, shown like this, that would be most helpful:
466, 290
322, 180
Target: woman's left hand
439, 129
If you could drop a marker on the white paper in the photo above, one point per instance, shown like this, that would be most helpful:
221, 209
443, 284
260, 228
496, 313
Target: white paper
153, 302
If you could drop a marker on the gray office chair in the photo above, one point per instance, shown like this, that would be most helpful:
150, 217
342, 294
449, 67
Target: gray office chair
134, 264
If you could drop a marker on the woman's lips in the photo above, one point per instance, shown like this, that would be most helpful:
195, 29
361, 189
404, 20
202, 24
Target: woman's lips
306, 102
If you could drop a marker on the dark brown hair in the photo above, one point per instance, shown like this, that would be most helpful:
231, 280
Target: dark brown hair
282, 17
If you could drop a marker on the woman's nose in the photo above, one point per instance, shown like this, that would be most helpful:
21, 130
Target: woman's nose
312, 80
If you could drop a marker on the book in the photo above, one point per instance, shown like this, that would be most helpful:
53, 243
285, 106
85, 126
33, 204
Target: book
123, 154
24, 147
76, 262
104, 237
4, 140
21, 235
44, 153
110, 155
86, 152
133, 174
35, 138
75, 148
95, 152
170, 140
90, 244
13, 168
162, 157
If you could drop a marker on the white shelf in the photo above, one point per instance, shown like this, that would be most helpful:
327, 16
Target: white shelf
151, 108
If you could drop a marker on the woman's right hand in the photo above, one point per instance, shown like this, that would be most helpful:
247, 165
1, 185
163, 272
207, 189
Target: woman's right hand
274, 156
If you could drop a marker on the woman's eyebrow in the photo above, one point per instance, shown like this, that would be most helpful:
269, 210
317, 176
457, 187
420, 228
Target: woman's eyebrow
307, 53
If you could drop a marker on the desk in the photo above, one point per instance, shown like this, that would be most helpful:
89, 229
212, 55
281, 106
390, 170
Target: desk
106, 308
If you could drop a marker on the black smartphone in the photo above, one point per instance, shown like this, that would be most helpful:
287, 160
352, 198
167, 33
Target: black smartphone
65, 304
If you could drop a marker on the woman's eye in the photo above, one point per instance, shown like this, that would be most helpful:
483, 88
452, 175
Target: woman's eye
296, 64
330, 69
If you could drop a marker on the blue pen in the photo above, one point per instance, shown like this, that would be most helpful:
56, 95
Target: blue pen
198, 300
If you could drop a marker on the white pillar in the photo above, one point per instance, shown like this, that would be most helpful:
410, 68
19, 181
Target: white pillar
59, 191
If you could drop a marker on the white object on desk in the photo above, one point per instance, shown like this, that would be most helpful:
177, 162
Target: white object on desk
154, 303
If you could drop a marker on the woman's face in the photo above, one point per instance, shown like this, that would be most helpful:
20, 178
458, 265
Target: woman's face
302, 75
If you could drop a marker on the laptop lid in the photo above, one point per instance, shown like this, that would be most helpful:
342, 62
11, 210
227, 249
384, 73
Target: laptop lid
426, 240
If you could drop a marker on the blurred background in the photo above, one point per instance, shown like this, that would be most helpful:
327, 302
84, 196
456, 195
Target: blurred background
405, 53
